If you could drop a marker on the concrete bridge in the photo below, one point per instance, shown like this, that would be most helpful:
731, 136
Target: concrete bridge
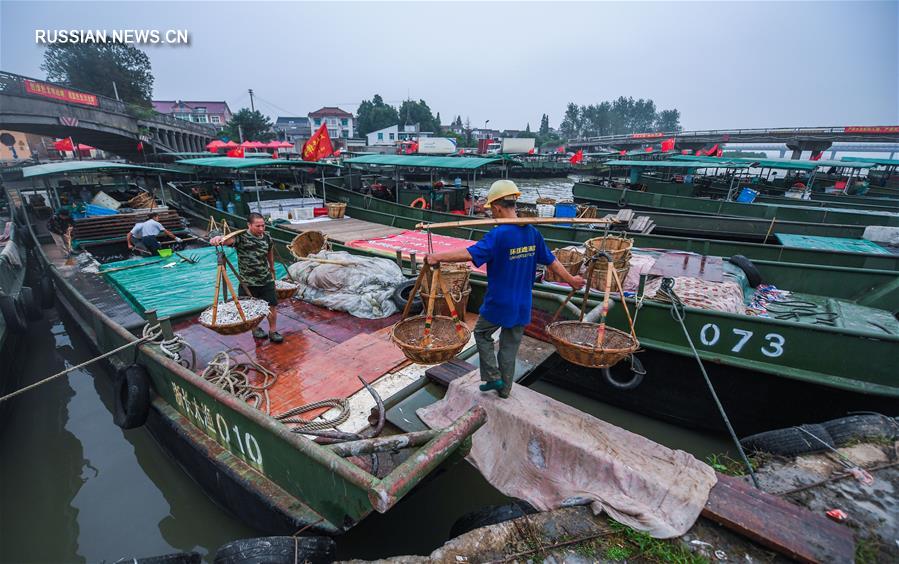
54, 110
889, 149
795, 139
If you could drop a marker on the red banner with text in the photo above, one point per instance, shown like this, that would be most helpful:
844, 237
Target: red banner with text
58, 93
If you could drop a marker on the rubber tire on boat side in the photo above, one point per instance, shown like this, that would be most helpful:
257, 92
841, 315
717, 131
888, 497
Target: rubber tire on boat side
790, 441
277, 550
752, 273
860, 427
13, 314
47, 291
490, 515
33, 311
132, 397
636, 370
401, 296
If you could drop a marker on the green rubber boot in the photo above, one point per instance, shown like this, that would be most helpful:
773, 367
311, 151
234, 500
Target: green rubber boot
491, 385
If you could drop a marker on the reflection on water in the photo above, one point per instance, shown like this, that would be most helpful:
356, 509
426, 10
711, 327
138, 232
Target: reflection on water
76, 488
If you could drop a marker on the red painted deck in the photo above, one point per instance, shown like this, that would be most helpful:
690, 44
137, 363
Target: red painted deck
322, 354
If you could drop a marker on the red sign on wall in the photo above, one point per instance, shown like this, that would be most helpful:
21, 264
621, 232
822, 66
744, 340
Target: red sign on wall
58, 93
872, 129
646, 135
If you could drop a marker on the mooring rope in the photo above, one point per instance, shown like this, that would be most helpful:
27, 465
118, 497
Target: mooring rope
234, 377
171, 347
304, 425
678, 313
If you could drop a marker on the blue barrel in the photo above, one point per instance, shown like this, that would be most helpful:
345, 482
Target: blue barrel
566, 210
219, 205
747, 195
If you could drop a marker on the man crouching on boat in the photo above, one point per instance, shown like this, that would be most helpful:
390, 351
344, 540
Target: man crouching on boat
256, 265
511, 253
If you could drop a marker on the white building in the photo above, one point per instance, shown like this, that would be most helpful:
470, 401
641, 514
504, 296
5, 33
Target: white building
339, 122
393, 135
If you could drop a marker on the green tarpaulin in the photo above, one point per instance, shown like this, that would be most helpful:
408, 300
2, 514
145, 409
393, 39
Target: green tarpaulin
72, 167
874, 160
783, 164
420, 161
841, 244
234, 163
676, 164
172, 290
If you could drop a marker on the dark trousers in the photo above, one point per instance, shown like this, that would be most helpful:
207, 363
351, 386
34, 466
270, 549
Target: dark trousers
495, 366
150, 243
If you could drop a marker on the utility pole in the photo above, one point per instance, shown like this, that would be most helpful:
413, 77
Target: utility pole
116, 90
252, 106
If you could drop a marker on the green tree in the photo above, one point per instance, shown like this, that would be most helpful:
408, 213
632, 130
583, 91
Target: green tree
254, 125
644, 117
439, 124
95, 67
544, 125
418, 112
572, 122
668, 121
596, 119
374, 114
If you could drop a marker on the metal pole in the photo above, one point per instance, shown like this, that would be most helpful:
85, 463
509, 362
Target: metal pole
161, 190
258, 196
252, 106
324, 190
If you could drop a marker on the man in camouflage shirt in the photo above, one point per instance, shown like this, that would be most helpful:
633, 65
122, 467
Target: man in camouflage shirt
256, 265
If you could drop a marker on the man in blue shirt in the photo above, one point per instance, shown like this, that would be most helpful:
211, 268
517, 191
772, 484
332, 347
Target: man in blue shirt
511, 253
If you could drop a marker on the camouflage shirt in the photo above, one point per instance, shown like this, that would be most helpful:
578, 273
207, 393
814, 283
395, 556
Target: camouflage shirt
252, 258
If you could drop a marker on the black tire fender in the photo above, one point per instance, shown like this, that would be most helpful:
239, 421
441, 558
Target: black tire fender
277, 550
132, 397
13, 314
30, 306
47, 291
401, 296
791, 441
490, 515
860, 427
752, 273
636, 370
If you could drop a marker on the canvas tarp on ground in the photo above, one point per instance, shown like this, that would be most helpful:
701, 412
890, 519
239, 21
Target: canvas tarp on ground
552, 455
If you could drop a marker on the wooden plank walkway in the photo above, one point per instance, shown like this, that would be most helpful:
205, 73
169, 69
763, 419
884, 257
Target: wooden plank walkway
346, 229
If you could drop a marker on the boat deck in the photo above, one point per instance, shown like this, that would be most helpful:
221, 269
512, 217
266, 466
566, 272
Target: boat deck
345, 229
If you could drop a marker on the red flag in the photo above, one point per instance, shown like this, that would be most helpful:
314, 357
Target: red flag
531, 151
461, 151
578, 157
816, 155
64, 145
274, 154
668, 145
622, 152
714, 151
140, 147
648, 149
319, 145
685, 152
561, 149
236, 153
337, 153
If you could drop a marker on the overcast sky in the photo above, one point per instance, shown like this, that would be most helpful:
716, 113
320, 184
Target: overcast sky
722, 64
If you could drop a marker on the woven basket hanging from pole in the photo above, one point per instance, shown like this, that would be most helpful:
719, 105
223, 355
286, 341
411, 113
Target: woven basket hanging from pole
223, 285
429, 338
593, 345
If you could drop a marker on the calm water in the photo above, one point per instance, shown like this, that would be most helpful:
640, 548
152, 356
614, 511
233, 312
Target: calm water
76, 488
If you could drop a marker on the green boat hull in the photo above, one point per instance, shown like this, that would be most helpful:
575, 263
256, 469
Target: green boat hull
602, 195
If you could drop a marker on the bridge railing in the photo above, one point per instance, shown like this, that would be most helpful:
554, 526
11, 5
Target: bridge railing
14, 85
707, 132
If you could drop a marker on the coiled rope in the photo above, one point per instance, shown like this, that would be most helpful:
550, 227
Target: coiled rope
304, 425
170, 347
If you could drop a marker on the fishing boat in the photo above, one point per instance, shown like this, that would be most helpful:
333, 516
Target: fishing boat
803, 359
246, 451
19, 303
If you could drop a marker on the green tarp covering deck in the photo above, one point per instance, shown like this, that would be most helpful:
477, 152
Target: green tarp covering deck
840, 244
420, 161
783, 164
176, 290
676, 164
74, 167
873, 160
234, 163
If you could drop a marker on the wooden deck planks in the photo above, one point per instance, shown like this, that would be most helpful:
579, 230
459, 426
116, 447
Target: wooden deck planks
347, 229
777, 523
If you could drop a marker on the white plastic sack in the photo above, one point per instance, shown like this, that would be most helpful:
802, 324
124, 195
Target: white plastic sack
363, 289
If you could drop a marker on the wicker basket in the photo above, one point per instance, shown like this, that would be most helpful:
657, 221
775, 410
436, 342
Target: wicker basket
575, 342
527, 211
234, 328
445, 342
547, 201
440, 307
571, 259
286, 293
307, 243
586, 211
454, 274
619, 248
336, 210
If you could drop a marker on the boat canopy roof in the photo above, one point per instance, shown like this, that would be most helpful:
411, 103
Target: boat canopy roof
784, 164
717, 163
845, 164
874, 161
68, 167
235, 163
420, 161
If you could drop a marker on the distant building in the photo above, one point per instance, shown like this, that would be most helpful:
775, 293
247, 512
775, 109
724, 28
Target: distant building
479, 133
215, 114
339, 122
293, 129
393, 134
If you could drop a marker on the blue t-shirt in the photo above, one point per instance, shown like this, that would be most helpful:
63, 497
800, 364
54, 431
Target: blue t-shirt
512, 253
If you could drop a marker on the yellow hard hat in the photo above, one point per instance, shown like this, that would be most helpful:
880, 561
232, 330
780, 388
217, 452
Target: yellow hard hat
502, 189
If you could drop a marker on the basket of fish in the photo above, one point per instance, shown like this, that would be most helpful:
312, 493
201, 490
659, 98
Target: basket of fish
234, 317
285, 289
